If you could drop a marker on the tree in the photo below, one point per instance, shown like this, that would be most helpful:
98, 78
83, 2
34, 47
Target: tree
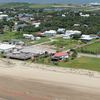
74, 53
1, 28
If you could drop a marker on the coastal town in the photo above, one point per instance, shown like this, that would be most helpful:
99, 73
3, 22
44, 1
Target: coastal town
49, 42
49, 35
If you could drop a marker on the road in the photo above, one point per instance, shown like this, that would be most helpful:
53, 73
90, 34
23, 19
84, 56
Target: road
88, 55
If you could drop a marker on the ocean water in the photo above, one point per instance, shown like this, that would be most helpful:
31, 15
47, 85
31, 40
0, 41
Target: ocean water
53, 1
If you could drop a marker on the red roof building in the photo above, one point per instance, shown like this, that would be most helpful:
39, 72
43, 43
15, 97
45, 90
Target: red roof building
60, 55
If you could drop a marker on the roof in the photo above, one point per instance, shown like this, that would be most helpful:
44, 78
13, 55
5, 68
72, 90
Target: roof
6, 46
60, 54
86, 37
50, 31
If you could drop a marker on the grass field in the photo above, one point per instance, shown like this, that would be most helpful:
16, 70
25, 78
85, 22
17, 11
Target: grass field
15, 35
30, 5
92, 48
42, 5
10, 35
18, 4
67, 44
88, 63
83, 63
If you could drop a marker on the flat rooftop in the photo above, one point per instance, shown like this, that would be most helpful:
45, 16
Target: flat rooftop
20, 56
37, 49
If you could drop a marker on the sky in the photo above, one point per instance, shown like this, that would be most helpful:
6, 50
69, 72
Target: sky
52, 1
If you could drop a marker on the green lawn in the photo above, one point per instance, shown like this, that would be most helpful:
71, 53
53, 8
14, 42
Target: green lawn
83, 63
67, 44
45, 5
10, 35
92, 48
78, 63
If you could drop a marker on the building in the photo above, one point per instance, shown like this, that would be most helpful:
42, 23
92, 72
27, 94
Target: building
18, 55
86, 38
60, 56
3, 16
61, 30
84, 15
38, 49
95, 4
76, 25
6, 47
50, 33
68, 34
29, 36
36, 24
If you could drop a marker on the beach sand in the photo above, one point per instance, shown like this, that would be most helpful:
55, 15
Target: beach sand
28, 81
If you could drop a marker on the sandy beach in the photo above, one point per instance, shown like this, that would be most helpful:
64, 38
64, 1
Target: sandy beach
29, 81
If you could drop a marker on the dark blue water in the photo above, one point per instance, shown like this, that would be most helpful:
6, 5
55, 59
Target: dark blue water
53, 1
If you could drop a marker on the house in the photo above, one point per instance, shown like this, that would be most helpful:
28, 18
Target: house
60, 56
3, 16
61, 30
84, 15
86, 38
6, 47
36, 24
50, 33
76, 25
1, 12
95, 4
40, 34
29, 36
63, 15
68, 34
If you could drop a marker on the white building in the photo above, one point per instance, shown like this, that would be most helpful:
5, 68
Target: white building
1, 12
84, 15
95, 4
63, 15
86, 38
61, 30
50, 33
76, 25
29, 36
36, 24
3, 16
6, 47
68, 33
